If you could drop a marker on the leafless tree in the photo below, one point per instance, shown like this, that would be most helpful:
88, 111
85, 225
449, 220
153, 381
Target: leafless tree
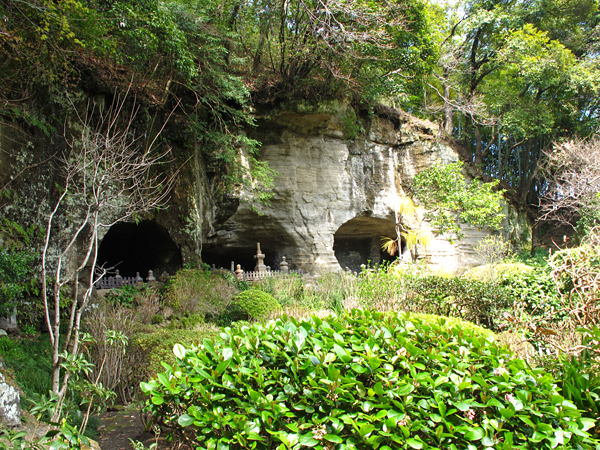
109, 176
572, 171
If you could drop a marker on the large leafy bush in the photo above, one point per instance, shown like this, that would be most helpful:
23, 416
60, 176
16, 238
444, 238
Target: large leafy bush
534, 298
365, 381
473, 300
193, 291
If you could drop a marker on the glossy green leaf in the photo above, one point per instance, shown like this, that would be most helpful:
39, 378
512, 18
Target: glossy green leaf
414, 443
185, 420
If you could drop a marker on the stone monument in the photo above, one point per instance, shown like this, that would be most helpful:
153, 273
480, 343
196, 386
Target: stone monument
283, 267
239, 273
260, 260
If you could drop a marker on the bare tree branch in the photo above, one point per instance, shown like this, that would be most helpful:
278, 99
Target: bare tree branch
109, 176
572, 171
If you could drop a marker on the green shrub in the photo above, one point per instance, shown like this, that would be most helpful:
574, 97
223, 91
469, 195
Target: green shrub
287, 290
535, 305
151, 347
579, 382
157, 319
17, 278
489, 273
365, 381
195, 291
449, 323
473, 300
186, 322
533, 291
123, 296
329, 291
30, 360
531, 287
143, 299
381, 289
256, 304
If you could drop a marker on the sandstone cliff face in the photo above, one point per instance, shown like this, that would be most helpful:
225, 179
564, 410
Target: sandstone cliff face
334, 196
339, 178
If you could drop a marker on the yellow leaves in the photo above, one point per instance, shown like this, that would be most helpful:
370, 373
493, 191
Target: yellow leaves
411, 218
405, 206
422, 237
389, 245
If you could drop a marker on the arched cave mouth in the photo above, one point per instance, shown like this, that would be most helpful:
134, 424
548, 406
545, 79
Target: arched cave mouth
358, 242
240, 249
133, 248
222, 257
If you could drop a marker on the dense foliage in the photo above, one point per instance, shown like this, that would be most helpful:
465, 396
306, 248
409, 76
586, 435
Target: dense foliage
17, 257
473, 300
257, 304
449, 200
368, 380
193, 291
30, 361
16, 278
512, 78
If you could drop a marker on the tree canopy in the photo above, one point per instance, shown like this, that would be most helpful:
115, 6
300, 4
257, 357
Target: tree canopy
506, 78
513, 78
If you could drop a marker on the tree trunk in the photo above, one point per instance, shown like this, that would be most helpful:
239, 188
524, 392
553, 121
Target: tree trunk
478, 153
535, 238
448, 110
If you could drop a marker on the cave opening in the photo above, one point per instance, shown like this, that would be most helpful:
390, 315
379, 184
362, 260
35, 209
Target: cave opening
217, 256
358, 242
240, 248
133, 248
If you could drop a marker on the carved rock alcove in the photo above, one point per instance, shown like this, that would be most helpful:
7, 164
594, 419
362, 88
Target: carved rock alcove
358, 242
132, 248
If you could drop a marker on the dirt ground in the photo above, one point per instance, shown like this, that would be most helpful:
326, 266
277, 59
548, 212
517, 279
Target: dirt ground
118, 427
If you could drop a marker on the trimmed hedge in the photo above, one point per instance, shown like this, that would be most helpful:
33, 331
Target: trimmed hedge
257, 304
368, 380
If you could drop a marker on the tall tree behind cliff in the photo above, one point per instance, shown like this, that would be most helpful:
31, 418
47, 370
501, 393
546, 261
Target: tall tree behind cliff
516, 76
327, 47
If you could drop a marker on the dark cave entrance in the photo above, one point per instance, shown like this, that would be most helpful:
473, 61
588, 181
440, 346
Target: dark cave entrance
358, 242
275, 243
132, 248
221, 257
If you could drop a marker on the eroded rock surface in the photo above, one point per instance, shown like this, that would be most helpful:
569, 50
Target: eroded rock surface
10, 404
340, 175
334, 197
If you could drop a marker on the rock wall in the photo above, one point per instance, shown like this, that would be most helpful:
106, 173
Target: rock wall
335, 193
10, 403
340, 175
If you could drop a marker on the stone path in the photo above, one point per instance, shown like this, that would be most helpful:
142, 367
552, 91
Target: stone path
118, 427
